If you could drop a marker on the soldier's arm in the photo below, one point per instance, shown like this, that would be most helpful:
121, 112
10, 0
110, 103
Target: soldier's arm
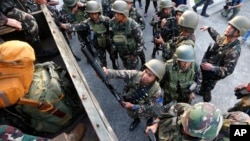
213, 33
3, 19
138, 36
121, 74
228, 62
198, 78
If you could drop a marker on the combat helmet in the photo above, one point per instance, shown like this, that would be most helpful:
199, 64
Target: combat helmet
241, 23
93, 7
165, 4
189, 19
185, 53
181, 8
70, 3
202, 120
120, 6
157, 67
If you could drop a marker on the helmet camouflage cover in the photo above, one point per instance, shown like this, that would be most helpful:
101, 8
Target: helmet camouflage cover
203, 120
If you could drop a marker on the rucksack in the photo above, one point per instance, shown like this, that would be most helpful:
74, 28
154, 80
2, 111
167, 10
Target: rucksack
48, 93
16, 71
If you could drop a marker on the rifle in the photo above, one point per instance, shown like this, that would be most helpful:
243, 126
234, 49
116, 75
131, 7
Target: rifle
42, 106
151, 135
101, 74
207, 53
156, 34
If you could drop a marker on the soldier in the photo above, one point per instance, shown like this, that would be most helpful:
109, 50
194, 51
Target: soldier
159, 20
220, 59
181, 73
204, 8
142, 90
9, 133
202, 121
135, 15
232, 118
106, 5
232, 5
11, 16
76, 10
100, 26
242, 92
127, 36
187, 23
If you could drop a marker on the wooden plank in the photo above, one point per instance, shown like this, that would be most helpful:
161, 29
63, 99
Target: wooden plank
6, 29
91, 105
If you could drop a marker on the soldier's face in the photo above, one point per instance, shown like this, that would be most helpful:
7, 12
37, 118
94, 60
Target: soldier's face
118, 17
94, 16
231, 31
184, 65
167, 11
178, 15
147, 77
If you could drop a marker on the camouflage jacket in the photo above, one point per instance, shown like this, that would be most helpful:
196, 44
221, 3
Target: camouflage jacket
133, 77
238, 107
130, 37
169, 48
186, 78
79, 16
9, 133
135, 15
224, 57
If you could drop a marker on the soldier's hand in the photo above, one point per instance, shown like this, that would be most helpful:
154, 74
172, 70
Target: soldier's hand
105, 70
159, 40
207, 66
128, 105
14, 23
152, 127
163, 22
204, 28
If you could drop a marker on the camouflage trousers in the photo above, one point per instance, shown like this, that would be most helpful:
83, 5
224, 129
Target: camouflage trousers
11, 133
29, 24
207, 86
101, 53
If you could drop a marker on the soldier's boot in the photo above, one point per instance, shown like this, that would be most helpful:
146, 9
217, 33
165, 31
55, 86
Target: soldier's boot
134, 124
76, 134
42, 54
153, 53
115, 65
207, 97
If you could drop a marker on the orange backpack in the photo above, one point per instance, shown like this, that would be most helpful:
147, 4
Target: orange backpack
16, 71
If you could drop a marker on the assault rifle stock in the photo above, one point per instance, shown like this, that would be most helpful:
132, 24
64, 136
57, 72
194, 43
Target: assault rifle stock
151, 135
41, 106
101, 74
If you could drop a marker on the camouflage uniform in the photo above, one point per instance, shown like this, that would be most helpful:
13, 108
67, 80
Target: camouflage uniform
144, 97
11, 133
206, 122
156, 23
133, 43
135, 15
106, 5
238, 107
224, 57
28, 21
174, 77
79, 16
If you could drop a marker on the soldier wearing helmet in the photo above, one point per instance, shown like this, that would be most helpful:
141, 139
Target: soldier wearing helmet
202, 121
107, 5
100, 26
187, 24
232, 5
220, 59
159, 21
127, 36
142, 90
135, 15
76, 9
182, 77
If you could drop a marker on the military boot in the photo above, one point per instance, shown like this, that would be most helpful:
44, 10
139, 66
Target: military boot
135, 122
207, 97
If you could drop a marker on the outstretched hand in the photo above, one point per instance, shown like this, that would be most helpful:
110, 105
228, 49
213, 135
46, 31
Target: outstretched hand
204, 28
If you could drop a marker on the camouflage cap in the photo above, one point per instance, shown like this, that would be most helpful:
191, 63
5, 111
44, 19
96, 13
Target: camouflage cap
203, 120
